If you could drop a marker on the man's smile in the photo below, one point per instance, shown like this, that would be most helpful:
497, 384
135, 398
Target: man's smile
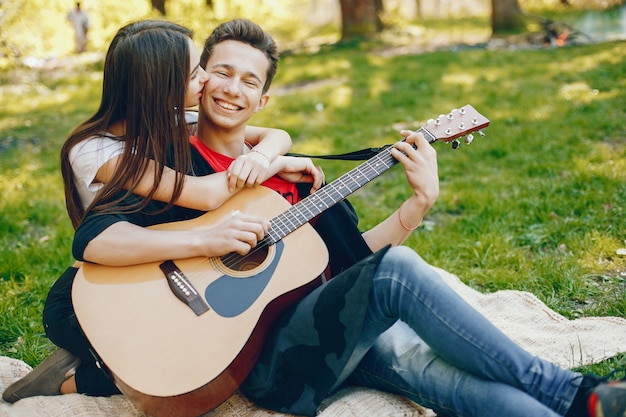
226, 105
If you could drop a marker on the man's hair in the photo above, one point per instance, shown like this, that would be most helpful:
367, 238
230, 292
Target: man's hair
245, 31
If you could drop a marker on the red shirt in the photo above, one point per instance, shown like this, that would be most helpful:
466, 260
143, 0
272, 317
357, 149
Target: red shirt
221, 162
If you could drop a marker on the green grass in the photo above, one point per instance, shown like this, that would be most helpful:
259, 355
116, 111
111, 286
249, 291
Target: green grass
536, 205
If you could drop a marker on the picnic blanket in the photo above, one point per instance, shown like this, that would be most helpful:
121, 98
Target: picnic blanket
521, 315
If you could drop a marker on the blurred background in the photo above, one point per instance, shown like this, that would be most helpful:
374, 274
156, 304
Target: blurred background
40, 29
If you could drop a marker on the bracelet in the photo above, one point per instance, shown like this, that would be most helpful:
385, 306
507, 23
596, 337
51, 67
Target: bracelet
261, 153
408, 229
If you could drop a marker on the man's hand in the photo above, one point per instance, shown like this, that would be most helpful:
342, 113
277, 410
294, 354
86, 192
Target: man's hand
300, 169
420, 166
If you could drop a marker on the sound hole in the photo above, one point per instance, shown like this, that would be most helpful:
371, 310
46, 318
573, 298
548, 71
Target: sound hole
254, 259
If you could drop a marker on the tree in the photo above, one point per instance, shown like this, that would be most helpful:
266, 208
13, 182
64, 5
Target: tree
360, 18
506, 16
159, 5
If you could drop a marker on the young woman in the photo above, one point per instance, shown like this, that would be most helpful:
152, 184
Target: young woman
136, 143
141, 115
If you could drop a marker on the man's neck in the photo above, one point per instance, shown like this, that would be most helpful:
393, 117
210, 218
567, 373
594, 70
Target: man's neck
229, 142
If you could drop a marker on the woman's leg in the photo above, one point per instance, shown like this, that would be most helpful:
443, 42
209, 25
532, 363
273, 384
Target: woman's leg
63, 330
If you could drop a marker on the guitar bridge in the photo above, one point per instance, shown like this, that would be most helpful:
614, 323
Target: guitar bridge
183, 289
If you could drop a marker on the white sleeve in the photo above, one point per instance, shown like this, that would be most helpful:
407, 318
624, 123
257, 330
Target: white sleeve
86, 158
191, 117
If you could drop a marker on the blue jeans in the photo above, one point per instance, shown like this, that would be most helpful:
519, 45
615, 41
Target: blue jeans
445, 355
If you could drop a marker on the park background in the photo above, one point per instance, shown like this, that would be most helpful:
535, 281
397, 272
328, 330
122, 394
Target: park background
536, 205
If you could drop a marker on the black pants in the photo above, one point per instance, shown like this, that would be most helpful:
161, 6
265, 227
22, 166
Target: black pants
62, 328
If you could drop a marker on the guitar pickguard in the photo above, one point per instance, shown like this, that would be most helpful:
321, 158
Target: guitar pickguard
232, 294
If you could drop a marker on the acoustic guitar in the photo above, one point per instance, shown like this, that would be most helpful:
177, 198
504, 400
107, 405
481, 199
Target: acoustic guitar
179, 337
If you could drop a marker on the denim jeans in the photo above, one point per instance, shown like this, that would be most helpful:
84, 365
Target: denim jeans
445, 355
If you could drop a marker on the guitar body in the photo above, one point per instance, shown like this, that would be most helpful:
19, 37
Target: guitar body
165, 358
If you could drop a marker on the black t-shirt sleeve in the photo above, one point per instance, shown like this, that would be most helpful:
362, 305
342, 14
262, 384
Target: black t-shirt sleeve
96, 222
91, 227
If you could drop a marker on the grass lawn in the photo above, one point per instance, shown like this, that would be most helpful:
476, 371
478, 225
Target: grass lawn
539, 204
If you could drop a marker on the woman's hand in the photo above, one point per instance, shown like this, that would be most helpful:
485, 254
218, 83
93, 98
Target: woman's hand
238, 233
247, 170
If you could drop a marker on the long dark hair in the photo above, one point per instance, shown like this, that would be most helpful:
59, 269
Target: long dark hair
146, 74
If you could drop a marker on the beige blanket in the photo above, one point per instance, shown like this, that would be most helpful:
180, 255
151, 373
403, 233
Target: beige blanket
521, 315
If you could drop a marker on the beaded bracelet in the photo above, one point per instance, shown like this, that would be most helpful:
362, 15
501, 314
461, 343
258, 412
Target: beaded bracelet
408, 229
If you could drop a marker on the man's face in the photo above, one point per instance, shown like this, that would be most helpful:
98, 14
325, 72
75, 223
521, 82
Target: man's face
234, 91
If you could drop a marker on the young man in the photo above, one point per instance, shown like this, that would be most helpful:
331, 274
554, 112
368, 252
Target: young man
441, 353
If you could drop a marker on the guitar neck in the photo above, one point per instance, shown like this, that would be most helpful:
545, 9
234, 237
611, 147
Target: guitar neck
334, 192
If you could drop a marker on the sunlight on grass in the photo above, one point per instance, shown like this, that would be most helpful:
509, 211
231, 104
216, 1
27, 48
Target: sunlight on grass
579, 92
378, 87
600, 253
460, 78
341, 97
602, 161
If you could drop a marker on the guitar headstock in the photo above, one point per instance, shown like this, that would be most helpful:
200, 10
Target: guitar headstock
458, 123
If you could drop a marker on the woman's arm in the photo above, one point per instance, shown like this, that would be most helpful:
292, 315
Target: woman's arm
124, 243
211, 191
254, 167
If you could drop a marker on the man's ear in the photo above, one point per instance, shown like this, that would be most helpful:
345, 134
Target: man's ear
263, 102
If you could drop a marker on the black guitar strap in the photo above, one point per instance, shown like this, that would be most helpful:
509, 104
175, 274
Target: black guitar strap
360, 155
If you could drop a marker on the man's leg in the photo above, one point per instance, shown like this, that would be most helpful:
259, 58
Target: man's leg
406, 287
401, 363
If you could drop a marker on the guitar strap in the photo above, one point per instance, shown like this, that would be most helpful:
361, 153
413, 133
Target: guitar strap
360, 155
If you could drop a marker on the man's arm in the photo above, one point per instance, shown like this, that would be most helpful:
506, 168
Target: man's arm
421, 170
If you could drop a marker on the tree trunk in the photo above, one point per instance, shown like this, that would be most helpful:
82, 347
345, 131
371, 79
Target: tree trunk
506, 16
360, 18
159, 5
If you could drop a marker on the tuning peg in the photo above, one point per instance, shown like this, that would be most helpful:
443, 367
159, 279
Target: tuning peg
469, 138
455, 144
481, 133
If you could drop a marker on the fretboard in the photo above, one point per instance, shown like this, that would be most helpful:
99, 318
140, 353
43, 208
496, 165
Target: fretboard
329, 195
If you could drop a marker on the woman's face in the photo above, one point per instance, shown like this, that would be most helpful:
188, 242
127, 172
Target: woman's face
197, 77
